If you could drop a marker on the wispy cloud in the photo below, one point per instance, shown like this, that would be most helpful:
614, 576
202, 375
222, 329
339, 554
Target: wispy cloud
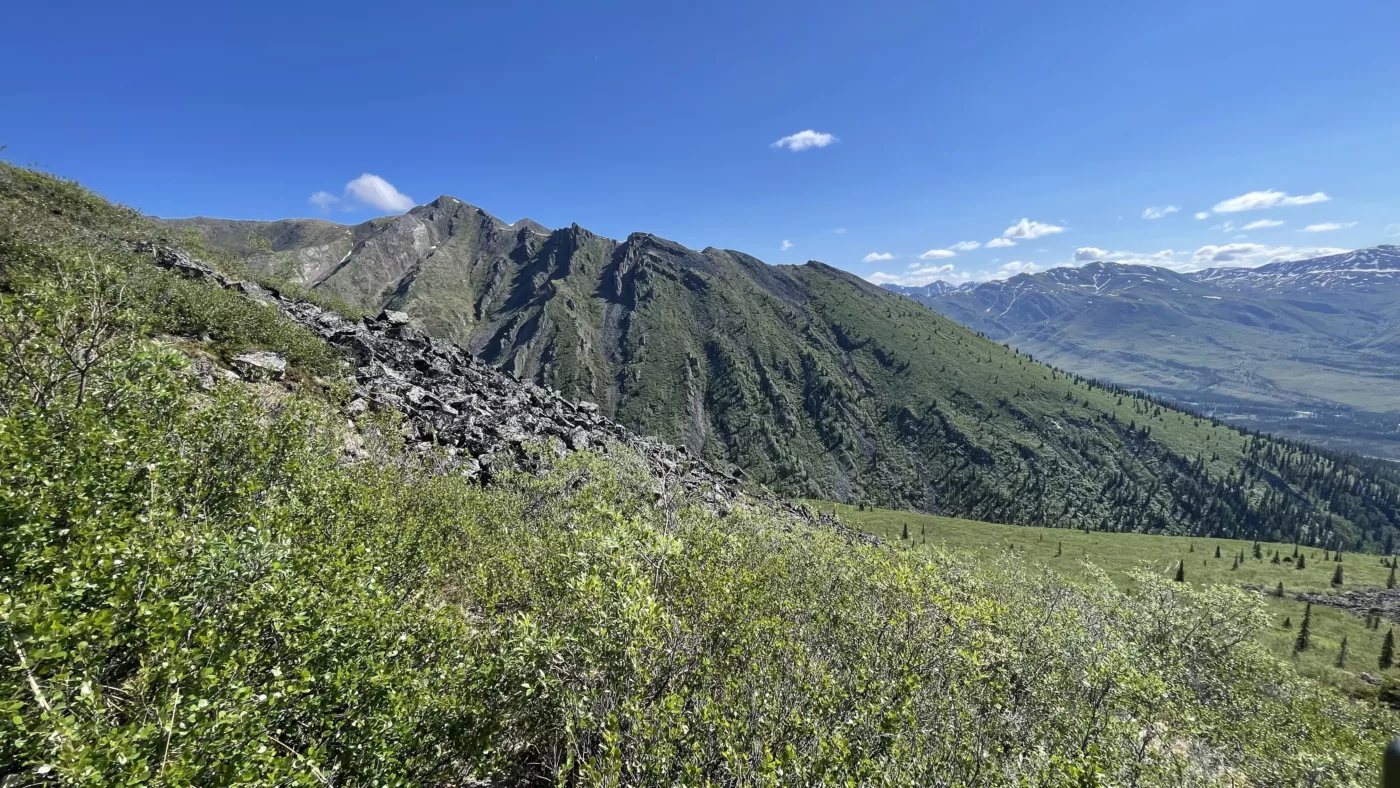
965, 246
919, 276
1246, 255
998, 243
1013, 268
1027, 229
366, 191
1154, 212
786, 246
1254, 201
1202, 214
804, 140
935, 254
1327, 227
877, 257
840, 231
323, 201
1263, 224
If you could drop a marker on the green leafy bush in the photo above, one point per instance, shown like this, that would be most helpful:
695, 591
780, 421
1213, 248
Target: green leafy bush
202, 589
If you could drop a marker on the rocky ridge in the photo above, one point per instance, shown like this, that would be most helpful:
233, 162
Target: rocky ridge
487, 420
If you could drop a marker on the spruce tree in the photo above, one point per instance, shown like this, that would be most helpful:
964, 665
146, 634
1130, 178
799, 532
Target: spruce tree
1278, 592
1181, 571
1388, 650
1236, 564
1337, 577
1302, 562
1258, 554
1342, 654
1217, 551
1059, 549
1287, 622
1305, 631
1390, 581
1191, 548
1275, 559
905, 534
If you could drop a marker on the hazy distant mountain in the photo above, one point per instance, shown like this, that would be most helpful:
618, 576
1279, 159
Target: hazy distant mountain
1308, 348
809, 378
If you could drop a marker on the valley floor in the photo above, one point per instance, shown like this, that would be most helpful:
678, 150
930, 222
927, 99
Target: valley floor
1074, 552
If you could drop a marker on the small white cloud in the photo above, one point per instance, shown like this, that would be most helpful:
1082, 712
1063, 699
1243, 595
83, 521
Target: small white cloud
1327, 227
1254, 201
1089, 254
964, 246
840, 231
935, 254
1157, 213
786, 246
1027, 229
1394, 230
919, 276
1202, 214
877, 257
1246, 255
376, 192
803, 140
323, 201
997, 243
1014, 268
1262, 224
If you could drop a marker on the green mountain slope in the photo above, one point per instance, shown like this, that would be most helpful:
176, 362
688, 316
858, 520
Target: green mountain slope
822, 385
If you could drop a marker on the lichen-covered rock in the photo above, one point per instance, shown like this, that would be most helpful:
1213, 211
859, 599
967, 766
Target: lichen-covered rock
261, 365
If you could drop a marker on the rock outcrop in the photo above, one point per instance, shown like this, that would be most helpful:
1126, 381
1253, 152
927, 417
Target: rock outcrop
488, 421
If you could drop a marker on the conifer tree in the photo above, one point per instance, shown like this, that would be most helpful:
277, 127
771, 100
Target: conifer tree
1342, 654
1258, 554
1295, 549
1275, 559
1388, 650
1217, 551
1287, 622
905, 534
1236, 564
1337, 577
1191, 548
1305, 631
1278, 592
1302, 562
1059, 549
1181, 571
1390, 581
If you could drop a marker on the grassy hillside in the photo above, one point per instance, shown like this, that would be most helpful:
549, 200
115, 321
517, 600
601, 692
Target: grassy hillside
1080, 555
819, 384
201, 586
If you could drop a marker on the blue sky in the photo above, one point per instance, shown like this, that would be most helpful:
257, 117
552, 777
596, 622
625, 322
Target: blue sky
948, 123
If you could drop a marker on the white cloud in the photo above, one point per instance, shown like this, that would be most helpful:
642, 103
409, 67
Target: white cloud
1165, 258
803, 140
1394, 230
1244, 255
964, 246
877, 257
1328, 227
839, 230
323, 200
919, 276
1154, 212
1088, 254
935, 254
1261, 224
375, 192
1202, 214
997, 243
1013, 268
1027, 229
786, 246
1254, 201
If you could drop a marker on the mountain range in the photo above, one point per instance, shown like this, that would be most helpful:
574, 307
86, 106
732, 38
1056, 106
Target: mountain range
1309, 349
811, 380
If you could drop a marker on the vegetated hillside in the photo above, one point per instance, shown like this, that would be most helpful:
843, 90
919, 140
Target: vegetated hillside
822, 385
218, 582
1297, 348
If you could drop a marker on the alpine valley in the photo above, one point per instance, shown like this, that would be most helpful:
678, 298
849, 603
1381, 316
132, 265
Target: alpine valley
1309, 349
819, 384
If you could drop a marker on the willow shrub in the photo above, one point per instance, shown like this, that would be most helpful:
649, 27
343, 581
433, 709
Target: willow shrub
200, 589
